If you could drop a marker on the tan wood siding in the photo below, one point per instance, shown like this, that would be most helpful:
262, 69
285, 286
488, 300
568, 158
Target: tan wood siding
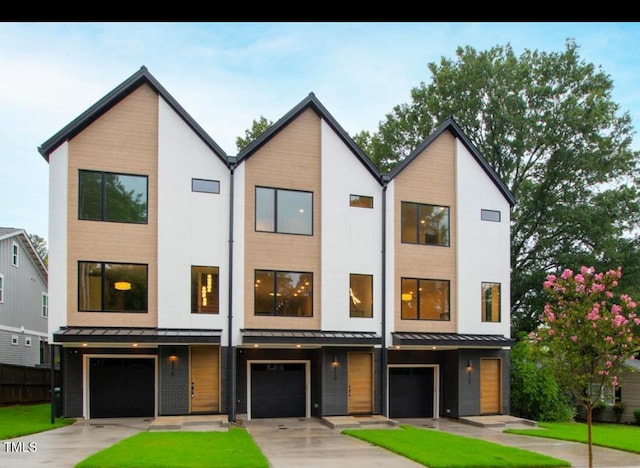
291, 160
490, 386
205, 379
360, 376
429, 179
123, 140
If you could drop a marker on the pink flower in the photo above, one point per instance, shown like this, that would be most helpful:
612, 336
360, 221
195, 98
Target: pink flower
567, 273
579, 278
574, 338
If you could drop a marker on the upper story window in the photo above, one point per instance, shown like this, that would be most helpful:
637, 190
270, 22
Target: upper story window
490, 302
361, 295
112, 287
205, 185
424, 224
424, 299
106, 196
204, 290
490, 215
284, 211
15, 254
361, 201
284, 293
44, 310
1, 289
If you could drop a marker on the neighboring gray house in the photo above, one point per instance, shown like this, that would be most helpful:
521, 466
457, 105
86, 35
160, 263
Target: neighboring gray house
24, 301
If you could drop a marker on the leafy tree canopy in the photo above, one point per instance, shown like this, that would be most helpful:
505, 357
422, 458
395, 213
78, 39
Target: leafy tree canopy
40, 244
258, 127
548, 126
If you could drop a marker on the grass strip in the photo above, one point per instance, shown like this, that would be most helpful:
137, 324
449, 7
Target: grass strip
20, 420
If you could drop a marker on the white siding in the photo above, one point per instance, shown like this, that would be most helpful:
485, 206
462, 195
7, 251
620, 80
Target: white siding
57, 241
192, 226
351, 237
483, 246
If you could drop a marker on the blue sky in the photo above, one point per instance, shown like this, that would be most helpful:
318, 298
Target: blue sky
226, 75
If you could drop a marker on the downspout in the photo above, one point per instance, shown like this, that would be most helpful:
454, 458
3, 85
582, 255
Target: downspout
52, 354
383, 358
231, 373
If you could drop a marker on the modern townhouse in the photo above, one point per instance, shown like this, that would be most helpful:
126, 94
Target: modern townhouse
292, 279
24, 301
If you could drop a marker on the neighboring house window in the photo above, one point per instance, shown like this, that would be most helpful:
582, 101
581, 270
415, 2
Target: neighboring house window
490, 215
106, 196
424, 299
205, 185
204, 290
27, 341
490, 302
112, 287
608, 396
1, 289
14, 254
14, 340
44, 351
361, 201
284, 293
45, 305
424, 224
361, 295
284, 211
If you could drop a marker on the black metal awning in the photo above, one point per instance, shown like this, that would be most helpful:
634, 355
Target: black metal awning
135, 335
255, 336
450, 339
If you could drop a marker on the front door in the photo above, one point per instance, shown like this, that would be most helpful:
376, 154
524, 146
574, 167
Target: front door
205, 379
360, 382
490, 386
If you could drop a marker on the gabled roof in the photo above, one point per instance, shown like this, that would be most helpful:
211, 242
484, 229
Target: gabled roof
310, 102
451, 126
139, 78
25, 240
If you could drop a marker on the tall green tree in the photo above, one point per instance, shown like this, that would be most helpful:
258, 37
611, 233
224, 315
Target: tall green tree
258, 127
40, 244
547, 124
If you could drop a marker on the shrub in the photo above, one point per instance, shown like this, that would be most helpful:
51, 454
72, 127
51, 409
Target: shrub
636, 414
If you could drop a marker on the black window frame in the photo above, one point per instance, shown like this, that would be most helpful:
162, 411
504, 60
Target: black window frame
195, 293
351, 311
483, 305
485, 215
418, 205
103, 299
275, 210
274, 308
354, 198
196, 185
418, 313
103, 197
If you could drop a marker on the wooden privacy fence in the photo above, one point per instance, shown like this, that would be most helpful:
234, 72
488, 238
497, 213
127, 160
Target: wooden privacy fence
21, 384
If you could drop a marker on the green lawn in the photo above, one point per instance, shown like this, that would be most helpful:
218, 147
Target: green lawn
234, 448
19, 420
617, 436
437, 449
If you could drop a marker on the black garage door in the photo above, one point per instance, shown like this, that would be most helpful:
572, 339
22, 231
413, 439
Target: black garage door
121, 387
411, 392
277, 390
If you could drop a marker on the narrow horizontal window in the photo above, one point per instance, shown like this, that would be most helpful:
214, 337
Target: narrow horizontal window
106, 196
490, 215
204, 185
284, 211
361, 201
112, 287
424, 299
283, 293
424, 224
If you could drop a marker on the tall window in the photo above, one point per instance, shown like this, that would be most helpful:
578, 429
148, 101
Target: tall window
15, 251
424, 299
112, 287
360, 295
424, 224
204, 290
490, 302
105, 196
44, 311
1, 289
285, 293
284, 211
44, 351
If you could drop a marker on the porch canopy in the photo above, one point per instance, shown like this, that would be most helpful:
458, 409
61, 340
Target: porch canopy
136, 335
450, 339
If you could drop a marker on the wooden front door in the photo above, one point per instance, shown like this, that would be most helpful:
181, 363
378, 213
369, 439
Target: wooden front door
205, 378
490, 386
360, 381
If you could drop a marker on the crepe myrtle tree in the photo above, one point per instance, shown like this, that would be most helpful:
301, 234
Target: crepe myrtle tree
587, 333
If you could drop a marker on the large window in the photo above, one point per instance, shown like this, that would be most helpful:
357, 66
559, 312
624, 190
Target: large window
490, 302
204, 290
285, 293
361, 295
284, 211
424, 224
424, 299
105, 196
112, 287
